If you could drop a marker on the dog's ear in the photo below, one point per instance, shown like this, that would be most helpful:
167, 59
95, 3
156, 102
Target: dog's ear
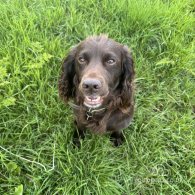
66, 80
127, 78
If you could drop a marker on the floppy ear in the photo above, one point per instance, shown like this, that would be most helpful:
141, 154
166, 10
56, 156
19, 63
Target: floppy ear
127, 79
66, 80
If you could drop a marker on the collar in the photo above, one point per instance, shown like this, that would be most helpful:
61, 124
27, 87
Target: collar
90, 112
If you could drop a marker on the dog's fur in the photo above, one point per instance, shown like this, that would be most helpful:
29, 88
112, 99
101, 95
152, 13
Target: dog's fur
99, 70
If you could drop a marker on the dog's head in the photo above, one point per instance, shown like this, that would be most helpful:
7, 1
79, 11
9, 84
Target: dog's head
96, 69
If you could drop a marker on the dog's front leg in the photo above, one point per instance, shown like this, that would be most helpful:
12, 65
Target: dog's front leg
79, 134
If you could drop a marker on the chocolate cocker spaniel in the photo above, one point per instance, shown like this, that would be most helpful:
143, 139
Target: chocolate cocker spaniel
98, 75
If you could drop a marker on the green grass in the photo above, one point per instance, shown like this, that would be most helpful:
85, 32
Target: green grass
36, 153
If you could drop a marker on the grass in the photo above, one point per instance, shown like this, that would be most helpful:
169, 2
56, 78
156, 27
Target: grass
36, 153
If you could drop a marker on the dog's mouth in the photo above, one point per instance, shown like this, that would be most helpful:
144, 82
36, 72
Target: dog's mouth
93, 102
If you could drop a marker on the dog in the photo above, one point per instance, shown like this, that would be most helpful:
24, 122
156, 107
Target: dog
98, 76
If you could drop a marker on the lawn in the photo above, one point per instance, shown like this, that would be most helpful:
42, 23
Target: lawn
36, 151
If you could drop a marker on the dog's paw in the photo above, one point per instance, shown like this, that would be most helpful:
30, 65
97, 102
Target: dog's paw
117, 142
76, 142
117, 138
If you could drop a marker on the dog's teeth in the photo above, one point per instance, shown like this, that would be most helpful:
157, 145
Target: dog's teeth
92, 102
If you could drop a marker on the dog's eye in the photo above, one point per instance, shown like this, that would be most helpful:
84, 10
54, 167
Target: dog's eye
111, 61
82, 60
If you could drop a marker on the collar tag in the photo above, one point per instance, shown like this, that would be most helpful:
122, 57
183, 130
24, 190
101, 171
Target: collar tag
89, 113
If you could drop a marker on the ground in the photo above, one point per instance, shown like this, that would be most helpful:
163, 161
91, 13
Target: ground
36, 128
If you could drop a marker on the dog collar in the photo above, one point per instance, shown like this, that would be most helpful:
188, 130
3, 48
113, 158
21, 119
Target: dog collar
90, 112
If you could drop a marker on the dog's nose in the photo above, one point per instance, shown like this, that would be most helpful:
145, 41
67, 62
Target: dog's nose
91, 85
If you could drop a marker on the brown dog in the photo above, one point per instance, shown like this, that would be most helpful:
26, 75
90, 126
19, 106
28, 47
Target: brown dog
98, 75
